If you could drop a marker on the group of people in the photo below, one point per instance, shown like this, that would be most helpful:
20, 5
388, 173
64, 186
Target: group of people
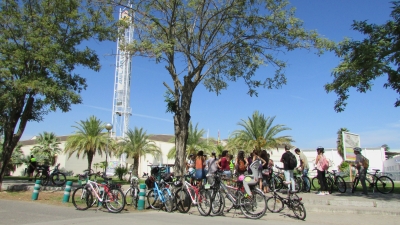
322, 164
258, 165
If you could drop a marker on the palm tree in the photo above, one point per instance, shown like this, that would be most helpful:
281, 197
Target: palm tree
339, 141
137, 144
195, 142
260, 133
88, 140
47, 148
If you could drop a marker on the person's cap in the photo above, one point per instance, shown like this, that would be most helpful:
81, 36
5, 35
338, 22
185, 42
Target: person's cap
357, 149
320, 148
297, 150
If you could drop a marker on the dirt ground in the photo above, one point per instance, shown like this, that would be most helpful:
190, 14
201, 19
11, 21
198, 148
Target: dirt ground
46, 197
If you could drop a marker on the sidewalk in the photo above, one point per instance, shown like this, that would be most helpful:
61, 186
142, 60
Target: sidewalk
374, 203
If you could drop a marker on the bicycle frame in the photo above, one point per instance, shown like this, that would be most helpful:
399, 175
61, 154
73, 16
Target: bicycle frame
157, 190
189, 188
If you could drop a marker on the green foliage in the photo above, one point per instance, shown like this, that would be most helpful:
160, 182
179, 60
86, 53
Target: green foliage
120, 171
47, 149
259, 133
88, 140
40, 48
195, 142
364, 61
344, 167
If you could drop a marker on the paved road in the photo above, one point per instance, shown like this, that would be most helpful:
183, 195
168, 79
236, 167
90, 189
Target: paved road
18, 213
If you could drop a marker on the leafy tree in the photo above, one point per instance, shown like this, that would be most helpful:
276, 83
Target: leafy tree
214, 42
260, 133
195, 142
339, 142
364, 61
47, 148
137, 144
88, 140
17, 158
40, 47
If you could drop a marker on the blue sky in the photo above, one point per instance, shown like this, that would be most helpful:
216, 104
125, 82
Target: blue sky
302, 104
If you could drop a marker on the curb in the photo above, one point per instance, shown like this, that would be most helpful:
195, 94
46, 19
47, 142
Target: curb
349, 210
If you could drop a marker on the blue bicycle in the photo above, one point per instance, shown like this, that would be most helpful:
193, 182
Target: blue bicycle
161, 196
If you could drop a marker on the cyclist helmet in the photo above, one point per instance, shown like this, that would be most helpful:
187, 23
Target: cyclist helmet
357, 149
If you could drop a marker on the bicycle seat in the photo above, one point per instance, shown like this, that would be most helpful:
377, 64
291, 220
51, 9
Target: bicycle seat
334, 171
376, 170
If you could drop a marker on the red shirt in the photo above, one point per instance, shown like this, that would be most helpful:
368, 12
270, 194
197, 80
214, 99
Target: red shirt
225, 164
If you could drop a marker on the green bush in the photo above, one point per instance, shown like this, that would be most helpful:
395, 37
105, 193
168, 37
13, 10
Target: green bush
120, 171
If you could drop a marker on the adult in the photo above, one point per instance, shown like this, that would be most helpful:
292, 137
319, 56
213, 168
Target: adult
241, 163
256, 156
362, 172
224, 165
319, 161
211, 164
265, 172
32, 167
200, 163
287, 168
304, 167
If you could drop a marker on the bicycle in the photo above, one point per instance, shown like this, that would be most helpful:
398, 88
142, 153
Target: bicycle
190, 194
253, 207
276, 203
161, 196
280, 181
383, 184
57, 178
329, 182
132, 194
106, 194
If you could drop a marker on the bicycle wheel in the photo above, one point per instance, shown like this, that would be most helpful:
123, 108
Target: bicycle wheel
115, 200
204, 202
355, 183
315, 183
329, 184
298, 184
44, 179
274, 204
154, 200
217, 204
82, 198
298, 209
306, 184
132, 197
183, 201
254, 206
384, 185
340, 184
58, 179
278, 183
169, 201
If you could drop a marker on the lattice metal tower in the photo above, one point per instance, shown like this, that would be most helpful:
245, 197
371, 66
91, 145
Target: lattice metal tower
122, 85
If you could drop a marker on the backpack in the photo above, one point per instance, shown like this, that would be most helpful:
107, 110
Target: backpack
241, 166
365, 162
292, 161
324, 163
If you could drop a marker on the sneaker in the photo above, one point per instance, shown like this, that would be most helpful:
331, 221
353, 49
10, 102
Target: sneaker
327, 193
321, 193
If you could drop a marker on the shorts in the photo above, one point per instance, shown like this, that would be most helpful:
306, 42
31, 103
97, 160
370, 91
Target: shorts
227, 173
199, 174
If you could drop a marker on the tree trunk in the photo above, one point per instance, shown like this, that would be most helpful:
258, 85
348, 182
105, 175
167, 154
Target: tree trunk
181, 126
136, 165
90, 160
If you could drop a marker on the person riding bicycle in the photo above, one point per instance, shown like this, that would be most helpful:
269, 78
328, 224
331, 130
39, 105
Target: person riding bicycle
362, 172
